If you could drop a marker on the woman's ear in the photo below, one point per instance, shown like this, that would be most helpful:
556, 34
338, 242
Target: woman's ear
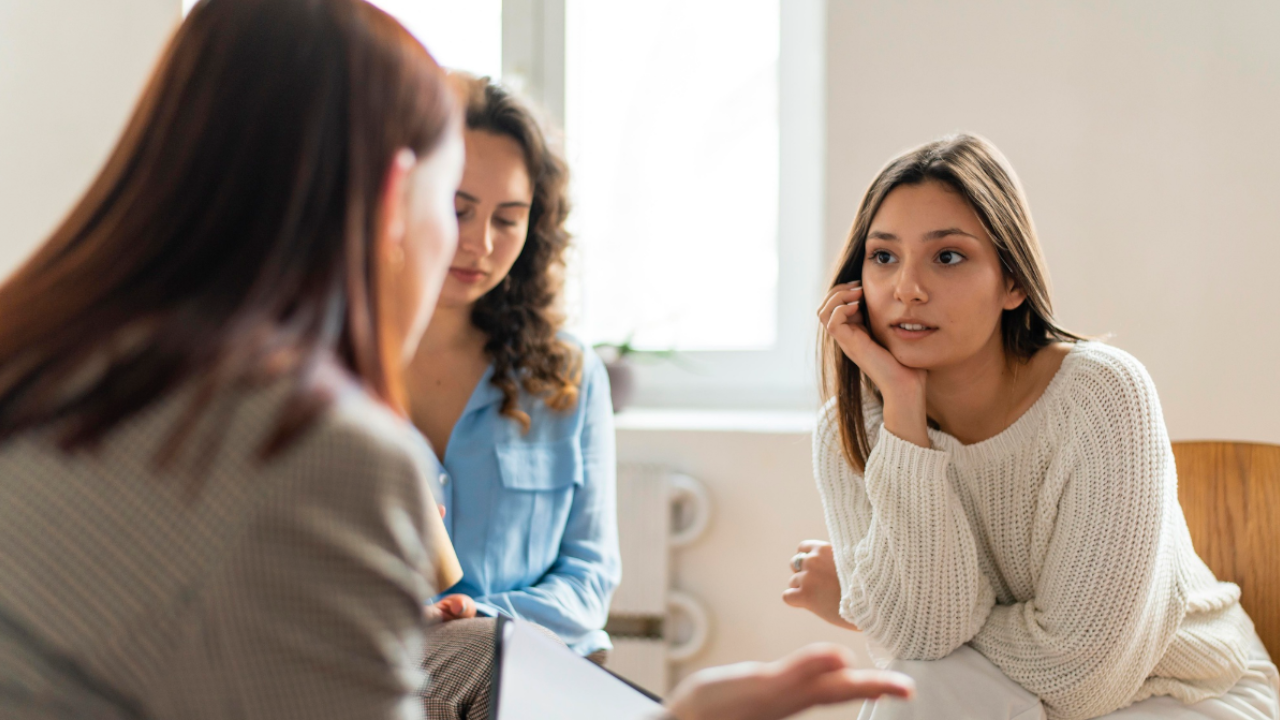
392, 285
393, 210
1014, 295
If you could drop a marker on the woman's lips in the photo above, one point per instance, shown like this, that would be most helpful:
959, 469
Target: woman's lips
467, 276
916, 331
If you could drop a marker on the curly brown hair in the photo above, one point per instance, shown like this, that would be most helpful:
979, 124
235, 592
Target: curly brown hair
520, 317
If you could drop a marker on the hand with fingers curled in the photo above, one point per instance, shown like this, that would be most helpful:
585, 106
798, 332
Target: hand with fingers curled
815, 586
819, 674
903, 388
451, 607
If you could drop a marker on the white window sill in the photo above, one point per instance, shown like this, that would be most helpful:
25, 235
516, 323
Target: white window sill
772, 422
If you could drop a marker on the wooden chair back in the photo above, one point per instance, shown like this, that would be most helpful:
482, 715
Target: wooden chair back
1230, 494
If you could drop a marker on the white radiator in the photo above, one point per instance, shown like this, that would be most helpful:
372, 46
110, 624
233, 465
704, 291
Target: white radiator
652, 624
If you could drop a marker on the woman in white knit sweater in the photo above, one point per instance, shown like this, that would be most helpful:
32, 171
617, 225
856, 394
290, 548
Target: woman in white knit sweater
1001, 495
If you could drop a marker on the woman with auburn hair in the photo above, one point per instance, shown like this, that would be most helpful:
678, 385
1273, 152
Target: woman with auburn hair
517, 411
213, 504
1001, 494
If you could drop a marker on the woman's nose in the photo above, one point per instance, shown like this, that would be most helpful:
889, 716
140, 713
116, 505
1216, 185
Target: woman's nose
909, 288
476, 239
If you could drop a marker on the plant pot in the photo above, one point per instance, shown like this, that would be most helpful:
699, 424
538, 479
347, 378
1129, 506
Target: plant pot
621, 384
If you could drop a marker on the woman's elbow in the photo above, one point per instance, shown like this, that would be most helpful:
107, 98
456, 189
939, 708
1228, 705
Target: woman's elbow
914, 641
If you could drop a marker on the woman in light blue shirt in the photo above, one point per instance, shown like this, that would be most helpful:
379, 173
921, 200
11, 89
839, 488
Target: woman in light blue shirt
518, 413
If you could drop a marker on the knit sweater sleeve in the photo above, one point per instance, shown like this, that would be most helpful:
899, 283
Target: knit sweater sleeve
905, 554
1107, 600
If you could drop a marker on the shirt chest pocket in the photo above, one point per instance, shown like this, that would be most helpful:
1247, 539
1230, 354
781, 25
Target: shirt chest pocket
539, 480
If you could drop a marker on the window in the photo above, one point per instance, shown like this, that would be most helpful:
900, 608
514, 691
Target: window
671, 123
695, 136
461, 35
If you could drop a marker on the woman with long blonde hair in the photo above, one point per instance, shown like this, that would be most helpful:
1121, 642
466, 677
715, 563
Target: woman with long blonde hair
213, 504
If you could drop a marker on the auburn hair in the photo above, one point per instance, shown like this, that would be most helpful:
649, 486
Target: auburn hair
521, 317
974, 168
230, 238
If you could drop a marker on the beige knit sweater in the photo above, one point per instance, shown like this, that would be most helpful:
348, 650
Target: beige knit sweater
1057, 548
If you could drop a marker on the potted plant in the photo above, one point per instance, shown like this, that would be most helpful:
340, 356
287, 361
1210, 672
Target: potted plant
618, 362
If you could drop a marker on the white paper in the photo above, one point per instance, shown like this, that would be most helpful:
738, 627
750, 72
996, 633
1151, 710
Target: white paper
542, 679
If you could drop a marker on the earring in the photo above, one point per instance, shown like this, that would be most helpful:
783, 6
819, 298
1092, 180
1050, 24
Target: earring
506, 284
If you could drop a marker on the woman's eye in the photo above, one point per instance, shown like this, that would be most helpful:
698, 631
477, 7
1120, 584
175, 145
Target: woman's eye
950, 257
463, 213
503, 222
881, 257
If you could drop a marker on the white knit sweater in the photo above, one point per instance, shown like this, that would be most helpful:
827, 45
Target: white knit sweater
1057, 548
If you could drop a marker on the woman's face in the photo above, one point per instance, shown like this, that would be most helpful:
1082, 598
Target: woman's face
932, 280
492, 206
430, 236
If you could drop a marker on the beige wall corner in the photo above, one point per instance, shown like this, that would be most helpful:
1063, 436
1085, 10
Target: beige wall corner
70, 73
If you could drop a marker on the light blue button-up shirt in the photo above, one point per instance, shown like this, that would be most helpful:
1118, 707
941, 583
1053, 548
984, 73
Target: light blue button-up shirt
533, 516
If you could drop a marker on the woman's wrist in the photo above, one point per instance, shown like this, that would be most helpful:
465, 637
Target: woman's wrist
905, 416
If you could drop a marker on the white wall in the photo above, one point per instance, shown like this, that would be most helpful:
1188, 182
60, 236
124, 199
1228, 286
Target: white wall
1146, 135
70, 72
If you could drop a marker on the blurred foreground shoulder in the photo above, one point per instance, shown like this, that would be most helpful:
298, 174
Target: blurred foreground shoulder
363, 459
316, 611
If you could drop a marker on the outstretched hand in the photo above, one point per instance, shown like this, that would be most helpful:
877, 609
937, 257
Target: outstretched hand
819, 674
816, 585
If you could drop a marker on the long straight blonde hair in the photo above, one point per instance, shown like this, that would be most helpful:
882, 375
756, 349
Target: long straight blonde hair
974, 168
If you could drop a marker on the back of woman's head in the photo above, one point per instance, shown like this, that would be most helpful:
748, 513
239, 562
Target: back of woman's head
520, 317
979, 173
229, 238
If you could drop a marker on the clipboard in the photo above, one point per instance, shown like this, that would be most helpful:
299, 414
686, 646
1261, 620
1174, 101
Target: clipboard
535, 677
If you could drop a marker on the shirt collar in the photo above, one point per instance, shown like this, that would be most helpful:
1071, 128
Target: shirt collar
485, 394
